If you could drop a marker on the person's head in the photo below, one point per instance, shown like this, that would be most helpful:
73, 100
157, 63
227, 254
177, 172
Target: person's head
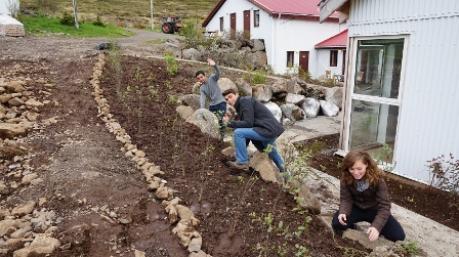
231, 96
201, 77
359, 165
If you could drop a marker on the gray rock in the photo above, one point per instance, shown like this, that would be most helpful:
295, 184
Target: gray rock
15, 86
292, 112
3, 188
9, 130
191, 100
42, 244
226, 83
275, 110
258, 45
15, 102
308, 200
42, 220
329, 109
258, 59
294, 98
184, 111
263, 164
262, 93
23, 209
244, 87
206, 121
191, 54
362, 238
335, 95
311, 107
28, 178
195, 244
279, 86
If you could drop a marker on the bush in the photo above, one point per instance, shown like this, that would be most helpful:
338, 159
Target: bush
67, 19
98, 22
171, 64
444, 173
46, 7
255, 77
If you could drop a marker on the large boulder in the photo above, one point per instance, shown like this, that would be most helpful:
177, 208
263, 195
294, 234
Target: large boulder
311, 107
226, 83
262, 93
41, 245
191, 100
335, 95
15, 86
191, 54
206, 121
263, 164
258, 59
294, 98
329, 109
292, 112
184, 111
275, 110
258, 45
244, 87
280, 86
10, 130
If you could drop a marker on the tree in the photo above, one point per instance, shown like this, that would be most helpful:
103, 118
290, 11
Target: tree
151, 14
75, 13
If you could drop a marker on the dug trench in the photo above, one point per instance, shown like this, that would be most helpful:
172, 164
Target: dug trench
240, 216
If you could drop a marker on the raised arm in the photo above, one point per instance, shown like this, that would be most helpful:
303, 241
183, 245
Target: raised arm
216, 74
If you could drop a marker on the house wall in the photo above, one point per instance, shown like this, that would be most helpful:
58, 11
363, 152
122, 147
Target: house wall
279, 35
8, 6
323, 62
429, 115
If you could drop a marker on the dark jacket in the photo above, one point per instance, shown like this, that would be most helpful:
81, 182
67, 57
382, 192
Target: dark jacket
253, 114
375, 197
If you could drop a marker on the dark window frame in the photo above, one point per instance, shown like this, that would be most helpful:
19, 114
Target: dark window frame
290, 59
333, 58
256, 18
222, 23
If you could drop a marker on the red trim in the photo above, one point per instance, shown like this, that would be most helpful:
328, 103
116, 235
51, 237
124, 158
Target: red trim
337, 41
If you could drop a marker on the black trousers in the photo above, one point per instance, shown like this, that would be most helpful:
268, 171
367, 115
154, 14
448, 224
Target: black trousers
392, 230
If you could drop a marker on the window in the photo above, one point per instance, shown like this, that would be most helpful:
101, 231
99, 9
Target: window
290, 58
375, 102
221, 24
333, 58
256, 18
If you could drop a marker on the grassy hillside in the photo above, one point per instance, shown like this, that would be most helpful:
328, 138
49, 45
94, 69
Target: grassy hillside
124, 12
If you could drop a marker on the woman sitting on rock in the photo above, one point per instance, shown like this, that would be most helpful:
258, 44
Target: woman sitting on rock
364, 197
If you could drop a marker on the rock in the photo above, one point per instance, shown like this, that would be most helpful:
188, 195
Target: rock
191, 100
4, 213
191, 54
263, 164
226, 83
244, 87
258, 45
195, 244
279, 86
329, 109
292, 112
138, 253
334, 95
4, 98
42, 220
311, 107
259, 60
262, 93
33, 103
21, 232
362, 238
23, 209
8, 226
42, 244
199, 254
15, 86
3, 188
31, 116
28, 178
308, 200
184, 111
275, 110
10, 130
294, 98
229, 152
12, 244
206, 121
185, 213
163, 192
15, 101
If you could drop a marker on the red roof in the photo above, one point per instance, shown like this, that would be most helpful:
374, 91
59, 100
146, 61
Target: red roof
297, 9
337, 41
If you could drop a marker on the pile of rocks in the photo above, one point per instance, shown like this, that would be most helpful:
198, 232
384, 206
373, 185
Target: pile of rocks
233, 53
181, 216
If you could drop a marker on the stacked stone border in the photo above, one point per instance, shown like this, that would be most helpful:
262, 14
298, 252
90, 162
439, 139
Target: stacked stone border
179, 215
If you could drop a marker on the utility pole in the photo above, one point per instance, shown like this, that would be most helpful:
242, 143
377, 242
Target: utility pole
151, 15
75, 13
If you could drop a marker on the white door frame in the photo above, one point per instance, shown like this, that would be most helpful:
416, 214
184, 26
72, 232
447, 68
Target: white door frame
349, 95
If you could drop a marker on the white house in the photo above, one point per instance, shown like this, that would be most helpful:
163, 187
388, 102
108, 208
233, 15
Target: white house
289, 28
331, 56
401, 97
8, 25
9, 7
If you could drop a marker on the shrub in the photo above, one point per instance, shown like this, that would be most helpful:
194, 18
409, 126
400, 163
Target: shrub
171, 64
67, 19
255, 77
444, 173
98, 22
46, 7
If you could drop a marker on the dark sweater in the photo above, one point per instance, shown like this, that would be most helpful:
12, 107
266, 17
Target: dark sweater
375, 197
253, 114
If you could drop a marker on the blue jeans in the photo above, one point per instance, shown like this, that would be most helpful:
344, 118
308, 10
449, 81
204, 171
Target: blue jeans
243, 136
392, 230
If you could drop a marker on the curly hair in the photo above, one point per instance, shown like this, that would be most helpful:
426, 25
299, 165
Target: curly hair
373, 173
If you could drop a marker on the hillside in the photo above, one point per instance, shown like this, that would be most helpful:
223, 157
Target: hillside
130, 13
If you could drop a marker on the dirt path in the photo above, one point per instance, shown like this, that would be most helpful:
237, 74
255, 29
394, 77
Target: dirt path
101, 203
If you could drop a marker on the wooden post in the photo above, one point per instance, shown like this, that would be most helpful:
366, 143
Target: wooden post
151, 15
75, 13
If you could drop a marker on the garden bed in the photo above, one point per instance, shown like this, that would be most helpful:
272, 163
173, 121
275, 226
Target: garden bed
240, 216
420, 198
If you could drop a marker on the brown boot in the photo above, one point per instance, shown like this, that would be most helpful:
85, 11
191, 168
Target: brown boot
238, 168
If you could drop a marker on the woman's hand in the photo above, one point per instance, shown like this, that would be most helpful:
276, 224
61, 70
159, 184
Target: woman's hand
342, 219
373, 233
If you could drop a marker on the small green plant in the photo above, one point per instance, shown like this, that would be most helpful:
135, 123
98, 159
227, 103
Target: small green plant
67, 19
171, 64
255, 77
411, 248
268, 221
98, 22
301, 251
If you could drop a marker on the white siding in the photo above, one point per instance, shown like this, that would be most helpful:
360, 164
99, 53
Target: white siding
8, 6
323, 62
429, 114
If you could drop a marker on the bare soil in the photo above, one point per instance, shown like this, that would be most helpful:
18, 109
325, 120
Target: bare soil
435, 204
240, 216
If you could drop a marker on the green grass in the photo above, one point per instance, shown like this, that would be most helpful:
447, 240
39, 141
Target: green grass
45, 25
